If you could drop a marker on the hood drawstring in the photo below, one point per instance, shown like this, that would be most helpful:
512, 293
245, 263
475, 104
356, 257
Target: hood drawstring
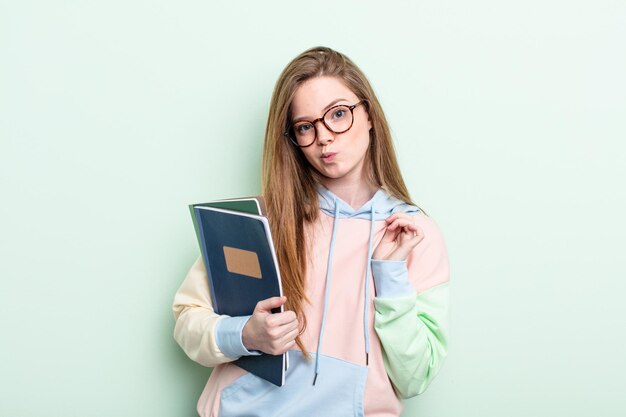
326, 289
368, 274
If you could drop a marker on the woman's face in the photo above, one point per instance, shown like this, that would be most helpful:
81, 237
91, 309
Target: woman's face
336, 156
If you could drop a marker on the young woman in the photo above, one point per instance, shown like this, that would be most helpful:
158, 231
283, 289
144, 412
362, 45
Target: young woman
364, 271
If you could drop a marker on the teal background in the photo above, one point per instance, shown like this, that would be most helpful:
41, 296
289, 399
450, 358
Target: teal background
509, 120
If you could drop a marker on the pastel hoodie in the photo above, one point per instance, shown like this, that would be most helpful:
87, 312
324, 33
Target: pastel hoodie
377, 330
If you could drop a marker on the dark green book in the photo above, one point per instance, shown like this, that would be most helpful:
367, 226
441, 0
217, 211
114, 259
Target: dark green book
252, 205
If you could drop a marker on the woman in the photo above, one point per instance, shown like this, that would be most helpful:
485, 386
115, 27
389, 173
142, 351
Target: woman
364, 271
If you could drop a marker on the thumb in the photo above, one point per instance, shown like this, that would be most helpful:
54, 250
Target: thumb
389, 235
270, 303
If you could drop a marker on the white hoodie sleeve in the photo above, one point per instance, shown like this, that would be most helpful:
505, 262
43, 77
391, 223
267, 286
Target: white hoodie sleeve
206, 337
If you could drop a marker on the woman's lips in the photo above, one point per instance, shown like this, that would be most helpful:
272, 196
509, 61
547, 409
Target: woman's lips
328, 156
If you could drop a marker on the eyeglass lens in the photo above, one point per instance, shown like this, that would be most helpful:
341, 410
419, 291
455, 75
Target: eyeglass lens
337, 119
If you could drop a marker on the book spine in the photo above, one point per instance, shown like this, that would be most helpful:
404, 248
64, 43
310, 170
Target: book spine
205, 256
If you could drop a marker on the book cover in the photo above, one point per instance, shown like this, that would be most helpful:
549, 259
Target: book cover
252, 205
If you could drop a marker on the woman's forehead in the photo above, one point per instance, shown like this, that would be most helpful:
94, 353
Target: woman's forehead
317, 94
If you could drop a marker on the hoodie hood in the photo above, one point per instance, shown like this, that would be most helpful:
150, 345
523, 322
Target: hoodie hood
381, 204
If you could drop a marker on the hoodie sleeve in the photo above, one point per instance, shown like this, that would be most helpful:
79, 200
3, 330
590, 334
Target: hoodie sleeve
206, 337
411, 317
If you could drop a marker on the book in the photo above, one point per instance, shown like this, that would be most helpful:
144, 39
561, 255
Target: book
252, 205
242, 268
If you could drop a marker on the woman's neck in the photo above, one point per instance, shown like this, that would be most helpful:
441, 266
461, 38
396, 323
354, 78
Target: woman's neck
354, 193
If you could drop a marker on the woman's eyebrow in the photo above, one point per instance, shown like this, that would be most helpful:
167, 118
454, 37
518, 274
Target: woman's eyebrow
332, 103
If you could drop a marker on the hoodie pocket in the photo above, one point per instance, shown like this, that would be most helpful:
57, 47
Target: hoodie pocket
338, 391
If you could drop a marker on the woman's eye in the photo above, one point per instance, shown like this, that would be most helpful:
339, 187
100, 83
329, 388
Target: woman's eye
339, 113
303, 128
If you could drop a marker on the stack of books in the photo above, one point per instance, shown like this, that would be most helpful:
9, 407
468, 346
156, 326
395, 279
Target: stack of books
238, 252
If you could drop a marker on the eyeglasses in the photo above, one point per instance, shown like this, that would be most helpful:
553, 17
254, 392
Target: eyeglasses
337, 119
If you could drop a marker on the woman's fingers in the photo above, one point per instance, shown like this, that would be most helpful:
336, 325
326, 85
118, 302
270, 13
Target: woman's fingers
389, 236
289, 336
280, 324
401, 236
270, 332
402, 222
279, 319
396, 221
266, 306
282, 343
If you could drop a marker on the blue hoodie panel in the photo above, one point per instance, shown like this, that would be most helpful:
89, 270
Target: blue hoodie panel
384, 206
338, 391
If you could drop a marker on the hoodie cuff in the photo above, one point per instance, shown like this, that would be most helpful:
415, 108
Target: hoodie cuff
228, 337
391, 279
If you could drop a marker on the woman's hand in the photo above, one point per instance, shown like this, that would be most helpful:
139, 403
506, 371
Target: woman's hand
271, 333
401, 236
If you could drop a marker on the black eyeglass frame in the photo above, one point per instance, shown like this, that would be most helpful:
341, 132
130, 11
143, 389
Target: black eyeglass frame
323, 120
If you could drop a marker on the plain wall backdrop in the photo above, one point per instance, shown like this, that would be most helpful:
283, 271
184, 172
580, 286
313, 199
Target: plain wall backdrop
509, 119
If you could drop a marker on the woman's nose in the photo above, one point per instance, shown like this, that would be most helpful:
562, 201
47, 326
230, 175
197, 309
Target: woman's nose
324, 135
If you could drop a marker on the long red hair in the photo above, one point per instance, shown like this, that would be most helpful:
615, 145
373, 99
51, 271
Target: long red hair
289, 182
